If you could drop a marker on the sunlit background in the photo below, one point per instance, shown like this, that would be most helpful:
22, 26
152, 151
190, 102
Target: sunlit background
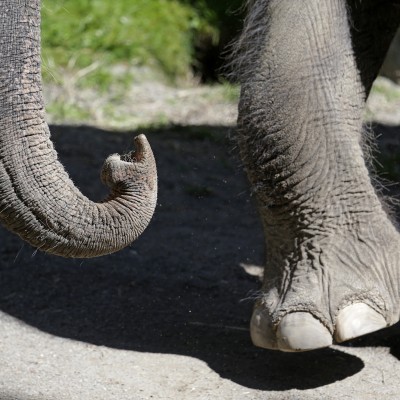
127, 64
132, 64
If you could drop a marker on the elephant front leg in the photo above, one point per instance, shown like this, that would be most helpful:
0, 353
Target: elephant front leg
332, 268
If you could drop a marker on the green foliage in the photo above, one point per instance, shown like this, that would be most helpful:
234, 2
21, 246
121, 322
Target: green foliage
63, 111
156, 33
224, 14
389, 91
230, 92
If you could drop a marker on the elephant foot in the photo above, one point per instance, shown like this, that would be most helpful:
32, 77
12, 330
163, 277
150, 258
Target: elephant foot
301, 331
298, 331
328, 290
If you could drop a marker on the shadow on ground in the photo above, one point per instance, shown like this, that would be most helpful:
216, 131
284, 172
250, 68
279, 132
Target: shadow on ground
180, 288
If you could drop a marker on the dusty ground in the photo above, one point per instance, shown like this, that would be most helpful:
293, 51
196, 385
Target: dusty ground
168, 317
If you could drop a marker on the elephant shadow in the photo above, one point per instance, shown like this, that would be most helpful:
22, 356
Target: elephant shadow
179, 288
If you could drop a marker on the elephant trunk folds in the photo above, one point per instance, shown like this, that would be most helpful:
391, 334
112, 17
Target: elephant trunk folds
38, 200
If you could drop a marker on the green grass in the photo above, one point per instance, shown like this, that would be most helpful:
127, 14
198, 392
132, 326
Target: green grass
98, 33
230, 92
389, 91
62, 111
106, 47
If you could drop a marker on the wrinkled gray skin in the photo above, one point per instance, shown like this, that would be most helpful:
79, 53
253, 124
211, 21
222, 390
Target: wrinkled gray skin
306, 68
38, 201
332, 264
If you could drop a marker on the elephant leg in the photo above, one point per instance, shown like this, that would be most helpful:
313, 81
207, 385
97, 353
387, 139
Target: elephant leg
332, 264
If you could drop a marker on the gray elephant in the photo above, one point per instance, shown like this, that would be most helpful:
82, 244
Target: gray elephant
38, 201
306, 68
332, 265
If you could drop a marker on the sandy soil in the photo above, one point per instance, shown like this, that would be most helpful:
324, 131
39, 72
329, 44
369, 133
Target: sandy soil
166, 318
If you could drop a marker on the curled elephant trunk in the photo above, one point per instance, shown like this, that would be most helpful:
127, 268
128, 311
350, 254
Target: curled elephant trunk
38, 201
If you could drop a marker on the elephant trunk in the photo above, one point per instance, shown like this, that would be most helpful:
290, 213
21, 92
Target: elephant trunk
38, 201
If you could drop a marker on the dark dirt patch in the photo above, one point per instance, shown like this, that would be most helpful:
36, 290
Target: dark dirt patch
179, 289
